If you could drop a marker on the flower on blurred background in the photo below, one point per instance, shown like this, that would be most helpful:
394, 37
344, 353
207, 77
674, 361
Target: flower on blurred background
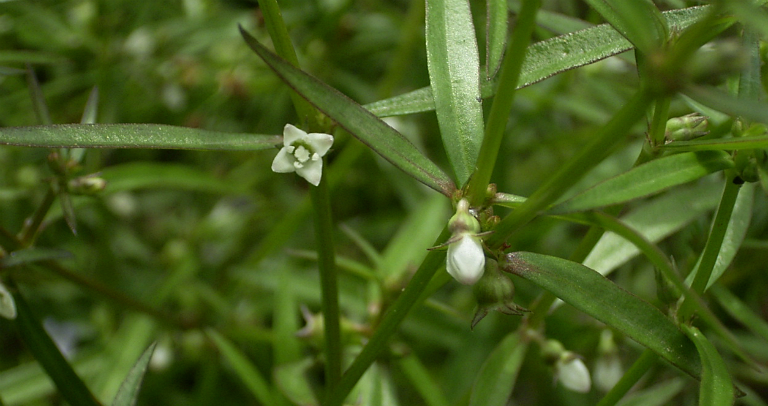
302, 153
466, 259
569, 368
7, 305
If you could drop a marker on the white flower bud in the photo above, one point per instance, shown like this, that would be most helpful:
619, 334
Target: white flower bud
466, 259
573, 374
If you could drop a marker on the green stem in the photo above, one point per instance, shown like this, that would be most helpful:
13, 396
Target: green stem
658, 128
502, 102
32, 225
390, 322
646, 360
329, 289
594, 152
703, 270
273, 18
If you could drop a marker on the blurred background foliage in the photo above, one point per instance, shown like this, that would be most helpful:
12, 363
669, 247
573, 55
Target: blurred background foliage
216, 240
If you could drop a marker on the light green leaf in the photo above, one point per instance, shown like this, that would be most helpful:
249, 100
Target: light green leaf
647, 179
496, 36
244, 369
454, 73
293, 383
726, 103
40, 344
720, 144
716, 387
639, 21
128, 393
545, 59
29, 255
144, 175
421, 380
600, 298
494, 384
658, 395
370, 130
740, 311
133, 136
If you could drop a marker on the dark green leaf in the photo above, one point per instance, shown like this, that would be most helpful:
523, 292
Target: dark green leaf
133, 136
494, 384
716, 387
71, 387
720, 144
639, 21
454, 73
545, 59
243, 368
29, 255
370, 130
128, 393
647, 179
726, 103
597, 296
143, 175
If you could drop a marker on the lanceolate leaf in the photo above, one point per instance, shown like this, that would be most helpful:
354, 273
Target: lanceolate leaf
647, 179
496, 380
545, 59
454, 73
716, 387
497, 22
720, 144
133, 136
128, 393
72, 389
639, 21
597, 296
379, 136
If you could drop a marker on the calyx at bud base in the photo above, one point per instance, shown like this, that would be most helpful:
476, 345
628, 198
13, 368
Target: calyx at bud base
495, 291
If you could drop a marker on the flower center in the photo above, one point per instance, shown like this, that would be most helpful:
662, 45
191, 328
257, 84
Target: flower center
302, 153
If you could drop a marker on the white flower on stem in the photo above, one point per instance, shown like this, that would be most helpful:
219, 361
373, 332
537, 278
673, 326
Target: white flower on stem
466, 259
7, 305
302, 153
572, 373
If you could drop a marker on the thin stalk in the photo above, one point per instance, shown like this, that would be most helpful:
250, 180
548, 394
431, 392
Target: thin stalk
32, 225
390, 323
594, 152
502, 102
273, 18
658, 127
329, 289
703, 270
646, 360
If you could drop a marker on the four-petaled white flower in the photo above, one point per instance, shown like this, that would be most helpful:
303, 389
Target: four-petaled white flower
302, 153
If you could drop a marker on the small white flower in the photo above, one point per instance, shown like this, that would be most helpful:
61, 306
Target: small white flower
466, 259
573, 374
302, 153
7, 305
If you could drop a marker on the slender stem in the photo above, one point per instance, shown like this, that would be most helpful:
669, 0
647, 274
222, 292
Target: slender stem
594, 152
646, 360
658, 128
328, 283
32, 225
703, 270
502, 102
390, 322
283, 46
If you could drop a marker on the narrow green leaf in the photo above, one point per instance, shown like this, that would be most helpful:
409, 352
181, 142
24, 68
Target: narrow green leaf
720, 144
497, 22
647, 179
128, 393
658, 395
494, 384
243, 367
726, 103
740, 311
716, 387
370, 130
71, 387
454, 75
91, 107
639, 21
597, 296
545, 59
146, 175
421, 380
133, 136
30, 255
38, 100
293, 383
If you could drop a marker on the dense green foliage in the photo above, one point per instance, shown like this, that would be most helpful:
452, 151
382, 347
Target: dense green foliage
151, 225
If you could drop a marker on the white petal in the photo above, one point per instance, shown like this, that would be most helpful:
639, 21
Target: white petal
292, 134
283, 162
312, 171
466, 260
574, 375
7, 305
320, 142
